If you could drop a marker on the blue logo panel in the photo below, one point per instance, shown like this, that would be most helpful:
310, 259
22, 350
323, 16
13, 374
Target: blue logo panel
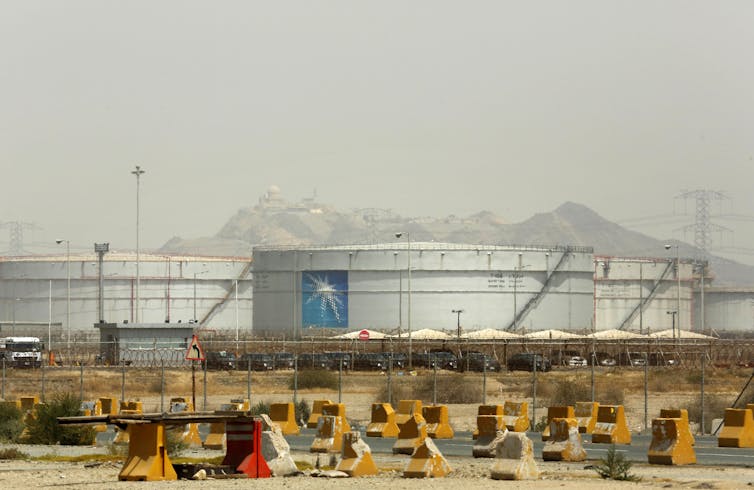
324, 299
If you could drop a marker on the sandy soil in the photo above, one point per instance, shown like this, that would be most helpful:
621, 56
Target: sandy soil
467, 472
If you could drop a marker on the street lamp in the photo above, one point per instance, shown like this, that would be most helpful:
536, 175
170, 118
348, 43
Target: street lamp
137, 173
196, 274
674, 313
678, 279
68, 286
408, 258
458, 312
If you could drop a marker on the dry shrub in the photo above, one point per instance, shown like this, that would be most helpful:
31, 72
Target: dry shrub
609, 395
714, 408
452, 388
315, 378
568, 392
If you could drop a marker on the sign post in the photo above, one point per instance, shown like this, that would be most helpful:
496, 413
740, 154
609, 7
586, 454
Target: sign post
194, 353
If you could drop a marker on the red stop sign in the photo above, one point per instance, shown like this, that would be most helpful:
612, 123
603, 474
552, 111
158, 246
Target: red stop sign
364, 335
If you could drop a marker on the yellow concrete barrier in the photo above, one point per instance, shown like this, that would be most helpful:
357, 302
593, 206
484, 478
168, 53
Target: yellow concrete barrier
127, 408
427, 462
329, 438
516, 416
28, 403
216, 438
189, 433
406, 410
586, 415
611, 427
496, 410
412, 434
564, 443
438, 422
382, 423
147, 454
738, 428
489, 436
681, 413
356, 456
316, 412
556, 412
109, 405
670, 442
284, 414
515, 459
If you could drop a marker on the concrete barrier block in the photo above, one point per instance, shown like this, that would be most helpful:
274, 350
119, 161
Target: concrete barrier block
284, 414
489, 438
611, 426
426, 462
277, 453
738, 428
671, 444
516, 416
356, 456
564, 443
316, 412
565, 411
382, 423
680, 413
515, 459
586, 415
438, 422
496, 410
412, 434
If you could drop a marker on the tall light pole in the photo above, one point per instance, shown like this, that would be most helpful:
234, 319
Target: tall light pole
458, 323
678, 279
408, 258
674, 313
137, 173
68, 287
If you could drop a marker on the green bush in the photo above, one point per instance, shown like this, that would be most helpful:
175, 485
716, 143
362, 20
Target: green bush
302, 412
615, 466
315, 378
11, 422
174, 441
44, 428
260, 408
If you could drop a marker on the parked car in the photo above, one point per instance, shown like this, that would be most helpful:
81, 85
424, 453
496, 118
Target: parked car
220, 360
443, 360
576, 361
283, 360
258, 362
527, 361
313, 361
337, 359
477, 361
371, 361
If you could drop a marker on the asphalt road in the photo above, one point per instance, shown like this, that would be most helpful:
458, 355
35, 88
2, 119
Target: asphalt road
707, 452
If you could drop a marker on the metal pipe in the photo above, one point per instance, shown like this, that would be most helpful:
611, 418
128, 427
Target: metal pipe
138, 172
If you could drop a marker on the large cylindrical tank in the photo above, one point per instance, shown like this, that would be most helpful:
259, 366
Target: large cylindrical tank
299, 290
214, 291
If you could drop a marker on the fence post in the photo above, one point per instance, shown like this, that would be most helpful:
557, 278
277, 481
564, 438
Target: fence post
390, 379
704, 359
646, 391
204, 401
484, 381
248, 378
81, 381
594, 361
434, 382
123, 381
162, 386
295, 379
43, 382
534, 390
2, 393
340, 380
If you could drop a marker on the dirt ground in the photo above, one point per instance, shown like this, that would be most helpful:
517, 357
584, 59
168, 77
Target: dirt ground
467, 472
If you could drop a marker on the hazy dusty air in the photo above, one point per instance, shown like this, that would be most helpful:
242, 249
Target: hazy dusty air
424, 107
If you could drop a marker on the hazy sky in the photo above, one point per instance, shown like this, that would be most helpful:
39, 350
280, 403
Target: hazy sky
425, 107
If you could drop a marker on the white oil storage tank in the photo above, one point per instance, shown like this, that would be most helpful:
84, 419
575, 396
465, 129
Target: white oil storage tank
298, 290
